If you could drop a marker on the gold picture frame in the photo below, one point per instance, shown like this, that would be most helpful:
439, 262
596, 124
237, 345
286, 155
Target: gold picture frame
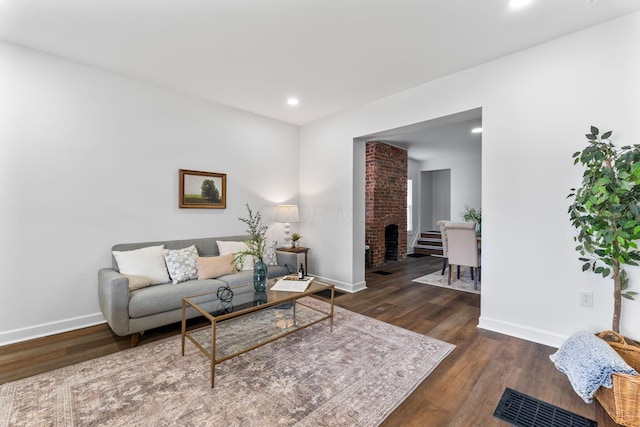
202, 190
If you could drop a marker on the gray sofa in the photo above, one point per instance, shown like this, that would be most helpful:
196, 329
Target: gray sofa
133, 312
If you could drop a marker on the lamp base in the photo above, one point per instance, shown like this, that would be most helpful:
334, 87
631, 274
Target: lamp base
287, 238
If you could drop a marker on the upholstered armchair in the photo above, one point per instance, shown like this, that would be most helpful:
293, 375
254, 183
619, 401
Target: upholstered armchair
443, 233
462, 249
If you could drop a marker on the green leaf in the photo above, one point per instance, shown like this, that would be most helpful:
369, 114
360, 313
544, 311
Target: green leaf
606, 135
595, 130
586, 266
591, 137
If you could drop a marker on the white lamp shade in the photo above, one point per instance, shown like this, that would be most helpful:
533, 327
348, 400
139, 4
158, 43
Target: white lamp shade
287, 213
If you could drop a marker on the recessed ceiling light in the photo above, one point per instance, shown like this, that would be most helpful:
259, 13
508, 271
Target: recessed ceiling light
518, 3
476, 130
293, 101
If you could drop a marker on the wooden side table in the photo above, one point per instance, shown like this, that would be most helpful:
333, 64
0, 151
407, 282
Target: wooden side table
298, 250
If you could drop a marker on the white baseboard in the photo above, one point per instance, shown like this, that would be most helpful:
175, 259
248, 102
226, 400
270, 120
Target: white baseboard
530, 334
343, 286
51, 328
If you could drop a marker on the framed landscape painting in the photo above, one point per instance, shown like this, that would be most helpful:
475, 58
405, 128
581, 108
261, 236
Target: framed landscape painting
203, 190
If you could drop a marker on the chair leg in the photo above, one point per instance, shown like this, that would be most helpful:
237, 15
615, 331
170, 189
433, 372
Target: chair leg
479, 276
471, 270
475, 281
458, 272
451, 267
444, 265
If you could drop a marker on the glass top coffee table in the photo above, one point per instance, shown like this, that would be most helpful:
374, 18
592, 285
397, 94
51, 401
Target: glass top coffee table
263, 318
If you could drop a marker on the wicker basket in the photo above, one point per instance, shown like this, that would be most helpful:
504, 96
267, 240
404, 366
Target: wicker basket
622, 402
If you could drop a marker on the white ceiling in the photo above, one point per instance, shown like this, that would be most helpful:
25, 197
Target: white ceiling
448, 136
331, 54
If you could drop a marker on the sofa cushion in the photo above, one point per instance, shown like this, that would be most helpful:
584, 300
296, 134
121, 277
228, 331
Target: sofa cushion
212, 267
206, 246
181, 263
277, 271
145, 262
166, 297
226, 247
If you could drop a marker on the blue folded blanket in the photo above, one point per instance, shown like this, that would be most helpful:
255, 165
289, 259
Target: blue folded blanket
588, 362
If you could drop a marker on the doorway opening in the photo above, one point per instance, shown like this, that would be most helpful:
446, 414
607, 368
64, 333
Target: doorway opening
435, 198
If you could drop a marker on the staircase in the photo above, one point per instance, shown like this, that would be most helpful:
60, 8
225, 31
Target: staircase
429, 243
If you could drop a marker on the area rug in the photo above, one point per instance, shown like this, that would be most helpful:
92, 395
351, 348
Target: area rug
464, 283
354, 376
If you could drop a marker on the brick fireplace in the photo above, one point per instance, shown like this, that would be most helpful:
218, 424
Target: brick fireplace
386, 202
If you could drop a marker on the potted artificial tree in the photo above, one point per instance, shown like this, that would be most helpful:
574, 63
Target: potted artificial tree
606, 214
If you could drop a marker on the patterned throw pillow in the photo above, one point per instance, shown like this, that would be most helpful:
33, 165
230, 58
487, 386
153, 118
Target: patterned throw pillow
181, 264
270, 253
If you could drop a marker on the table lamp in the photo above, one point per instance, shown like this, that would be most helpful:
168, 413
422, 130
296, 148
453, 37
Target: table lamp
287, 214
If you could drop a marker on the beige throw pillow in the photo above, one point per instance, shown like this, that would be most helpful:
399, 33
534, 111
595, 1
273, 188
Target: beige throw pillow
137, 282
145, 262
216, 266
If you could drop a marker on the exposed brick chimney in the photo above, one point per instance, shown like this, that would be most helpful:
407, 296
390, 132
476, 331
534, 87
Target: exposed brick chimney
386, 198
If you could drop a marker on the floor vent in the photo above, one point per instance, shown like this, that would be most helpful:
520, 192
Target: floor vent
384, 273
525, 411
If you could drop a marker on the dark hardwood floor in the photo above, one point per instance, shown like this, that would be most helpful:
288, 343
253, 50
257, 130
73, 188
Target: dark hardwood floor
462, 391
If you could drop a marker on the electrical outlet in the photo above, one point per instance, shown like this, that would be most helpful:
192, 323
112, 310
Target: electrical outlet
586, 299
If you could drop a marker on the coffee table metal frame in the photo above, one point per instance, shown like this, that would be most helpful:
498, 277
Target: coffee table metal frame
274, 298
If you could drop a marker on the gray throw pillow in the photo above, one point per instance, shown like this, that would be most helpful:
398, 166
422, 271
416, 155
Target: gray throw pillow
270, 257
181, 264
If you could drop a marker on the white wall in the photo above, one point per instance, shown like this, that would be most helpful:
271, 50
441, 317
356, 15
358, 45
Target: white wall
426, 200
465, 182
413, 173
89, 159
441, 197
537, 104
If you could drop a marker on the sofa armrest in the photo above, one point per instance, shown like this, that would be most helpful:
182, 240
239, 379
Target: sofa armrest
288, 259
113, 296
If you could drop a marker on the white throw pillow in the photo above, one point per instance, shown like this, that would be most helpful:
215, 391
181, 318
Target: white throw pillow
145, 262
181, 264
226, 248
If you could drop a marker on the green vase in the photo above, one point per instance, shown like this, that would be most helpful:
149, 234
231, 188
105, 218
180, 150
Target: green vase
260, 276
